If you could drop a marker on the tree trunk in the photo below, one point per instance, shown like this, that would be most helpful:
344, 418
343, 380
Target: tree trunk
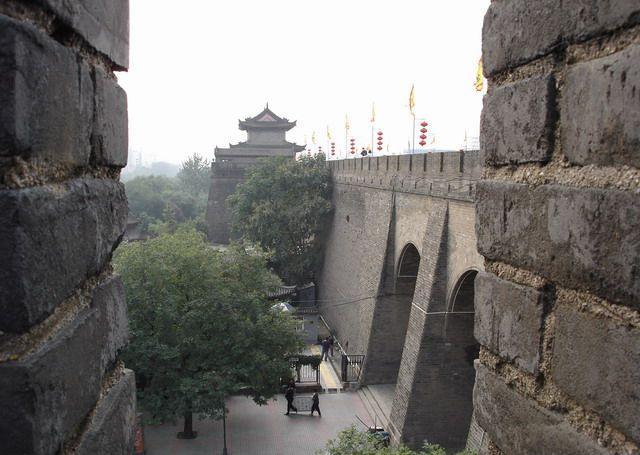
188, 432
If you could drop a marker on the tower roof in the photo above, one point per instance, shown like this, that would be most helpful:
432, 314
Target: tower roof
266, 119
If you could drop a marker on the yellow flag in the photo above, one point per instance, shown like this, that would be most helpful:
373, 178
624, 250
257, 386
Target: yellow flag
313, 137
328, 133
479, 77
373, 112
347, 126
412, 99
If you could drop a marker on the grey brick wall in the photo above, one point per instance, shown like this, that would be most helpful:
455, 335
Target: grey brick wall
63, 141
558, 222
382, 205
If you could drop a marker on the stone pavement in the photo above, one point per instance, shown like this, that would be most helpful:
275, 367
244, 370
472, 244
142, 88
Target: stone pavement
262, 430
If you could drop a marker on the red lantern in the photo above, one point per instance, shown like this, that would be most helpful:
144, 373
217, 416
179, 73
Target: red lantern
379, 147
423, 124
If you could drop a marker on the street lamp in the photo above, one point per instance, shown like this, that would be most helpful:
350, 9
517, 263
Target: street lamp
224, 429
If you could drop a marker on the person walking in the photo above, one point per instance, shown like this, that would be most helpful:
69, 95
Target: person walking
331, 343
289, 394
325, 349
315, 406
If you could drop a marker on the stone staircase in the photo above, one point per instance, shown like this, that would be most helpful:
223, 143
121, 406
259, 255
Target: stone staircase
377, 415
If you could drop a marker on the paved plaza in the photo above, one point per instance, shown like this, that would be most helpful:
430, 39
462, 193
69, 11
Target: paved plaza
262, 430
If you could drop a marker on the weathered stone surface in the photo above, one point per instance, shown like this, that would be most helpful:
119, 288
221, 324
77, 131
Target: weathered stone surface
596, 360
518, 425
598, 132
509, 320
112, 429
516, 31
52, 238
517, 122
46, 395
109, 139
46, 97
105, 25
582, 238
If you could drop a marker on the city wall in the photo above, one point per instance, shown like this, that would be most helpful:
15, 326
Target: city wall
63, 141
385, 206
557, 220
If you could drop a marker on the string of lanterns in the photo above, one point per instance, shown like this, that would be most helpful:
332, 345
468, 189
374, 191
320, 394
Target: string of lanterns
423, 133
380, 141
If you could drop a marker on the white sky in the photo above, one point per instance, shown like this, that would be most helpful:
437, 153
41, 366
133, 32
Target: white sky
197, 66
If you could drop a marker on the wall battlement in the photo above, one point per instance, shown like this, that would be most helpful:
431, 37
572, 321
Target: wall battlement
451, 175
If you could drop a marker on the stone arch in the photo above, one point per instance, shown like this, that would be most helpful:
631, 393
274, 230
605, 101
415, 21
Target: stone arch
391, 319
460, 351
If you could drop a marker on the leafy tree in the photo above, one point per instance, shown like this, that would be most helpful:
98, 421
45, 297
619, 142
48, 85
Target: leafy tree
283, 207
354, 442
148, 195
201, 326
194, 175
156, 200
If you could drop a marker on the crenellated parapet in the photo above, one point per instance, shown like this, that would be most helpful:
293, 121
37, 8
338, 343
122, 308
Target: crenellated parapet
451, 175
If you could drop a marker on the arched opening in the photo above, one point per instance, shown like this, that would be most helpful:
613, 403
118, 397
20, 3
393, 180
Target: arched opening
461, 349
389, 329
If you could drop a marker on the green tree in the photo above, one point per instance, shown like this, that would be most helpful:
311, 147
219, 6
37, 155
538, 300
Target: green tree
156, 200
201, 326
195, 176
351, 441
148, 195
283, 206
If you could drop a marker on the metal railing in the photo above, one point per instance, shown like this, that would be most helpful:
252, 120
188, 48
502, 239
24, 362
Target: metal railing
304, 373
351, 367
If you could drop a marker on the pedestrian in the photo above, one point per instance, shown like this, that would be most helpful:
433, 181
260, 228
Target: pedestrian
325, 349
289, 394
316, 404
331, 343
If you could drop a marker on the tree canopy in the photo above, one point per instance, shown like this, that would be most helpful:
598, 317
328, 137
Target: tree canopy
195, 176
201, 326
158, 201
283, 206
351, 441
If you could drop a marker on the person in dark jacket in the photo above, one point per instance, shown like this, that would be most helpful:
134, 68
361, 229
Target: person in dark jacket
289, 394
315, 406
325, 349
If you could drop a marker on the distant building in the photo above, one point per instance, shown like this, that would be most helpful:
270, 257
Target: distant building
266, 137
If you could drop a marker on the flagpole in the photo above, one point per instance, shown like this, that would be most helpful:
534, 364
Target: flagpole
413, 144
372, 128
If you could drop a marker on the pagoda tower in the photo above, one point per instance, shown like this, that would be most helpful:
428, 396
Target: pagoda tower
266, 137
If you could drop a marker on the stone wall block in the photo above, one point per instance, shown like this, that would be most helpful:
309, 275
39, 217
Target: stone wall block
47, 394
583, 238
109, 139
46, 97
596, 360
509, 320
104, 24
518, 425
517, 31
52, 238
112, 428
598, 132
517, 122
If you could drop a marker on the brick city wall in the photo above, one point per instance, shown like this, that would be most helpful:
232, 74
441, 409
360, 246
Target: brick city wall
558, 224
63, 141
224, 179
382, 205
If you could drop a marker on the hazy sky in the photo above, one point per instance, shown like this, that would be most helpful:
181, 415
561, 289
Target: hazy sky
198, 66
